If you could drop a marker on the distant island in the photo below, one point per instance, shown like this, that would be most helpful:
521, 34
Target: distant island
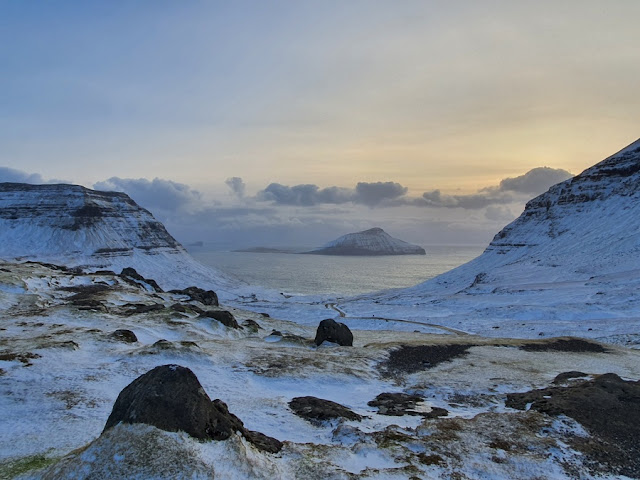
372, 242
263, 250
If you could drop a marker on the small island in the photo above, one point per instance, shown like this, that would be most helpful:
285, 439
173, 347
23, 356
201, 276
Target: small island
262, 250
372, 242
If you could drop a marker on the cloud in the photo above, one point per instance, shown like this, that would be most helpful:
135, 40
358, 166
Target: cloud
237, 186
304, 195
375, 193
17, 176
155, 194
534, 182
473, 201
370, 194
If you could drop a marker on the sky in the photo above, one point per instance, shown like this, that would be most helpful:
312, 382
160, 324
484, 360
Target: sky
282, 122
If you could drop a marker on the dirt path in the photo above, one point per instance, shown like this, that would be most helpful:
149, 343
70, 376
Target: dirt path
343, 314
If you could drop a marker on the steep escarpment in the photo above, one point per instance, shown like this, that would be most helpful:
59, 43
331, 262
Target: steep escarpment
570, 263
75, 226
374, 241
586, 226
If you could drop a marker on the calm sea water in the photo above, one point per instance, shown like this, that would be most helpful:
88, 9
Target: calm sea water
324, 274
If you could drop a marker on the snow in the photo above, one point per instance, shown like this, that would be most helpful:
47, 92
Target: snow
570, 265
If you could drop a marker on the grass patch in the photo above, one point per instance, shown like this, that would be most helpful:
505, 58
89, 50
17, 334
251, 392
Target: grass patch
12, 469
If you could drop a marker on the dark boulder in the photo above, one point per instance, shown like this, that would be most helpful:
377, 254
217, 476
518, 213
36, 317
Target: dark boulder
171, 398
251, 325
334, 332
398, 404
129, 309
131, 276
126, 336
222, 316
179, 307
566, 376
205, 297
317, 410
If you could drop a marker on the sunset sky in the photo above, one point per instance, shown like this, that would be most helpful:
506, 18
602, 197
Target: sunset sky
219, 100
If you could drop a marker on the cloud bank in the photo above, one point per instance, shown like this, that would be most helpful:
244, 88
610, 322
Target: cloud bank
388, 194
155, 194
364, 193
534, 182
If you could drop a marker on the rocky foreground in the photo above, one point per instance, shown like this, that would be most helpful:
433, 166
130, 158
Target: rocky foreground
106, 375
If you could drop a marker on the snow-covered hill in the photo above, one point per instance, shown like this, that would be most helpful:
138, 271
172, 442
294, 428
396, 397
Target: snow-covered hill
74, 226
569, 264
374, 241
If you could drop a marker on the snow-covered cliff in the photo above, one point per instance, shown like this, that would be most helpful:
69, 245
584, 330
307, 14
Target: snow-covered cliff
74, 226
588, 225
570, 264
374, 241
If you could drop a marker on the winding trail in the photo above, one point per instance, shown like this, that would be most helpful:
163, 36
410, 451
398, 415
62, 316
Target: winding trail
343, 314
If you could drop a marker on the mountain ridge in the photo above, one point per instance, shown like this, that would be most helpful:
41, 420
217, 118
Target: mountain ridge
79, 227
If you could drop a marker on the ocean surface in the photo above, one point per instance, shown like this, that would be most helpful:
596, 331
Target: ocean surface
340, 275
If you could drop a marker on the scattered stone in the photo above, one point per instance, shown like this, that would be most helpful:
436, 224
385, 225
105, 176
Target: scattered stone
171, 398
129, 309
608, 407
251, 325
126, 336
179, 307
130, 275
411, 359
317, 410
435, 412
105, 272
331, 331
576, 345
222, 316
163, 344
563, 377
24, 358
265, 315
205, 297
87, 297
399, 404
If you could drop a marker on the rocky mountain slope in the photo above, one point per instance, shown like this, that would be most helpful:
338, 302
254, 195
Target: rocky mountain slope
76, 226
374, 241
569, 264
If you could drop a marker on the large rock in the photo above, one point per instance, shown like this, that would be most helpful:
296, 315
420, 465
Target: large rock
399, 404
318, 410
335, 332
132, 276
205, 297
224, 317
171, 398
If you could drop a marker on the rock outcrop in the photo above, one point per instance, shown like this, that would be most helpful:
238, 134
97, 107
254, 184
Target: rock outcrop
608, 407
171, 398
374, 241
318, 410
331, 331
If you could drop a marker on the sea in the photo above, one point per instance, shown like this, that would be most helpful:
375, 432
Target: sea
340, 275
